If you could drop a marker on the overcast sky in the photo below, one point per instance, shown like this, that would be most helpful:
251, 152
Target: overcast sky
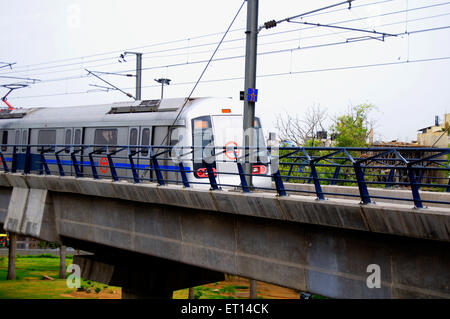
299, 66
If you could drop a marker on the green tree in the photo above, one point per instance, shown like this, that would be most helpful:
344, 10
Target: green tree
352, 129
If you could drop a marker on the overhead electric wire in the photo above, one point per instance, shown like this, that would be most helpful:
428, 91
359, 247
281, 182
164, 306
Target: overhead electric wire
233, 48
84, 63
172, 41
352, 67
259, 54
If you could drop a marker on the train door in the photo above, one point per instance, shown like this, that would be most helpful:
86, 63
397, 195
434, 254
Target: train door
144, 163
160, 138
227, 132
77, 139
111, 137
173, 175
133, 139
48, 138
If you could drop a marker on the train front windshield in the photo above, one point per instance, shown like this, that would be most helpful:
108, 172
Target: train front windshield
226, 131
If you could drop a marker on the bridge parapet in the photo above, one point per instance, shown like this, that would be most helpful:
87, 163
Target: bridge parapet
388, 218
417, 170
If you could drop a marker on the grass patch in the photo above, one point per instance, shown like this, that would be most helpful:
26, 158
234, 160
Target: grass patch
29, 284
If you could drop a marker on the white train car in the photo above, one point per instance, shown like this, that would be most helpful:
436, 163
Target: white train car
207, 122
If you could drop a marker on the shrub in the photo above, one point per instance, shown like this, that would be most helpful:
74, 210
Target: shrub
98, 289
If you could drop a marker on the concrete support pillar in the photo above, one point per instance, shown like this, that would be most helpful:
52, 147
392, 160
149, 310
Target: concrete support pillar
12, 256
253, 289
191, 293
62, 262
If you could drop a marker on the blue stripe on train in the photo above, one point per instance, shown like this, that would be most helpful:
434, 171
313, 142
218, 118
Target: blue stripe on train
116, 165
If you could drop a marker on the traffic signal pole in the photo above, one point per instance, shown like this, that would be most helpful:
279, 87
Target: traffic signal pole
250, 83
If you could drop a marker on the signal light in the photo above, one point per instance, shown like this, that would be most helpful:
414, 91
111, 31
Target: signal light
226, 110
259, 169
203, 172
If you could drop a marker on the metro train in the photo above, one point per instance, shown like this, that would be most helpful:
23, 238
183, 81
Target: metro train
197, 121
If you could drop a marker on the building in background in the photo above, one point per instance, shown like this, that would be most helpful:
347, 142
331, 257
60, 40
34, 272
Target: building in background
437, 135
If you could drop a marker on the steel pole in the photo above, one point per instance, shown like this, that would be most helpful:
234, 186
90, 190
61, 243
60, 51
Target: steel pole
250, 82
138, 75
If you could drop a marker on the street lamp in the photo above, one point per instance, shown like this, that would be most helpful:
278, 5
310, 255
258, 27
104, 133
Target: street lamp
163, 81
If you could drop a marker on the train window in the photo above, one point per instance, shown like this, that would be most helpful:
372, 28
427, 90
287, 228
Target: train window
133, 139
105, 137
68, 139
4, 141
174, 136
47, 137
145, 140
24, 140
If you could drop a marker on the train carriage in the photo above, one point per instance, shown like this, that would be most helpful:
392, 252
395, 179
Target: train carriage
202, 122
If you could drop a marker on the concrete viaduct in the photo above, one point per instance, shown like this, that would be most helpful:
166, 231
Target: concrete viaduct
153, 239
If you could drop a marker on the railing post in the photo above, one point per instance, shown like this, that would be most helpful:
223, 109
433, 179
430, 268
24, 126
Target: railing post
336, 175
112, 168
279, 183
159, 176
44, 164
133, 169
363, 192
414, 187
91, 161
448, 186
27, 167
390, 178
287, 179
5, 166
75, 165
60, 167
316, 180
212, 178
183, 175
244, 184
14, 160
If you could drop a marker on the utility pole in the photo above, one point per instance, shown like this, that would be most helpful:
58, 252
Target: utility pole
250, 83
138, 72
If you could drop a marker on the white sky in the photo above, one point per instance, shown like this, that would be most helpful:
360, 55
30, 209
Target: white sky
407, 95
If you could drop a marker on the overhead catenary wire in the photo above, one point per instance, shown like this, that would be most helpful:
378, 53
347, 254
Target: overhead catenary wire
202, 61
352, 67
27, 67
260, 53
261, 36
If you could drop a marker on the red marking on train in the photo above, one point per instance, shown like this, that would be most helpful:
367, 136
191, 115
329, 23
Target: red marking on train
229, 151
104, 165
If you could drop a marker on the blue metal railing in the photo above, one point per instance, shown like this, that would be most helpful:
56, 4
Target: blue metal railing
415, 169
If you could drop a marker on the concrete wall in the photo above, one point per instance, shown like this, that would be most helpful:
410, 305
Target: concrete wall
296, 241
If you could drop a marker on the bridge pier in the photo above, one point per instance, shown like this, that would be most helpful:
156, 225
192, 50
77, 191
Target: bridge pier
143, 277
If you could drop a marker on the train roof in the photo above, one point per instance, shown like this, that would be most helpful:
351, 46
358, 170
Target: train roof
145, 112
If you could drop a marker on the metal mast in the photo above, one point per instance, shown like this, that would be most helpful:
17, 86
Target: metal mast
250, 82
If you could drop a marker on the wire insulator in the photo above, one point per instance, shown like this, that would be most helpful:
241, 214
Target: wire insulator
270, 24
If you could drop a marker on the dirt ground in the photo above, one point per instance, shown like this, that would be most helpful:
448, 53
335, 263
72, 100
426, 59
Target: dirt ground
265, 291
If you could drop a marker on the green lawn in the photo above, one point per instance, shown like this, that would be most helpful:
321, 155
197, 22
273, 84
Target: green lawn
30, 285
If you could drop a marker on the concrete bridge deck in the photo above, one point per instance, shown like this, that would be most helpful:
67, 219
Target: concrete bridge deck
295, 241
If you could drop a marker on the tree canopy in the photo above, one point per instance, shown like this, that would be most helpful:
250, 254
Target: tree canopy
352, 129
